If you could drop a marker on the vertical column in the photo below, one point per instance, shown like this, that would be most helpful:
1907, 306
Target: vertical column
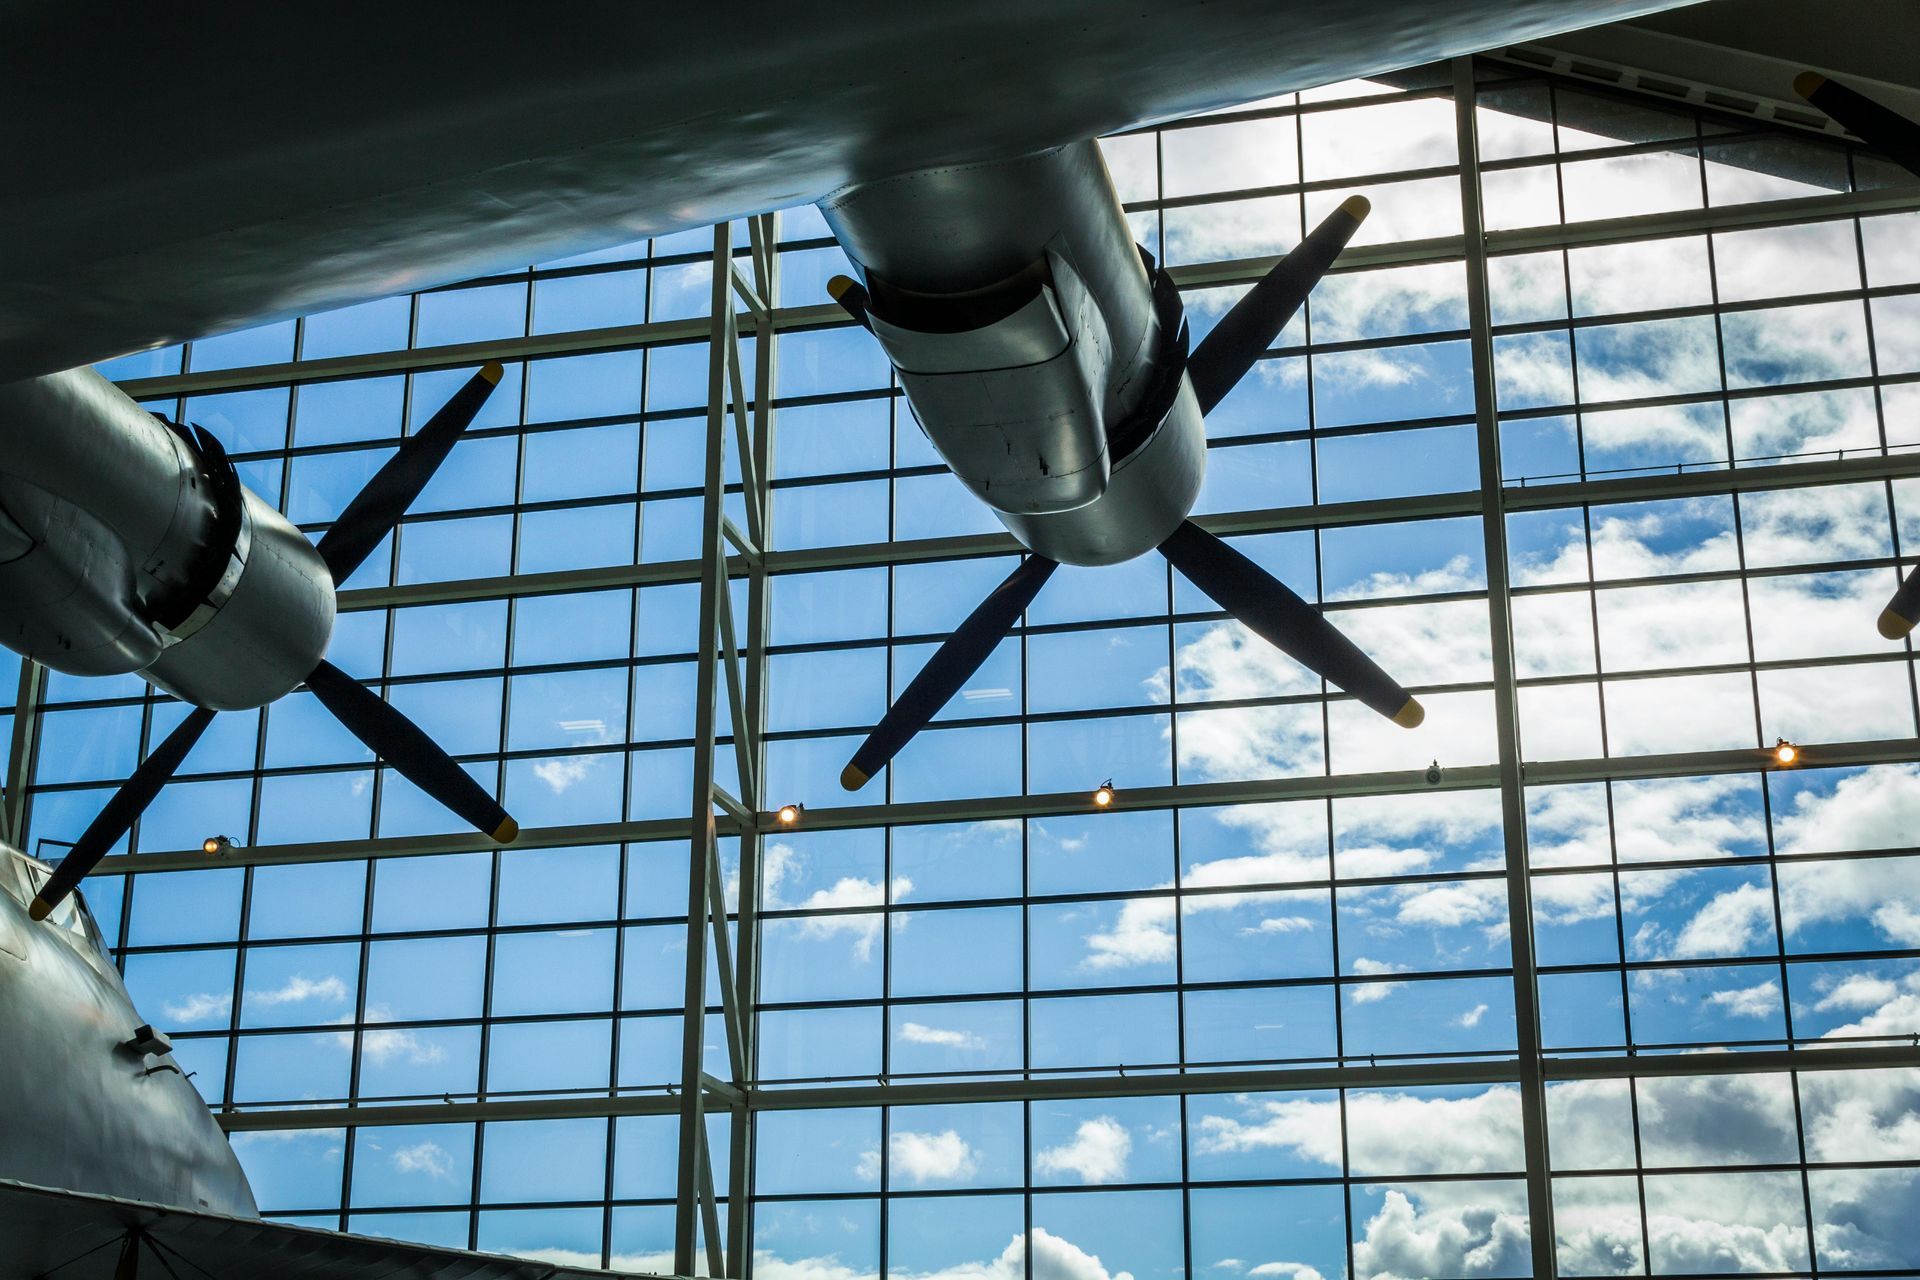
713, 581
1513, 808
758, 473
26, 726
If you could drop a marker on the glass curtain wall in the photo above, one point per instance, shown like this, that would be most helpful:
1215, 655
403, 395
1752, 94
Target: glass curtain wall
1705, 428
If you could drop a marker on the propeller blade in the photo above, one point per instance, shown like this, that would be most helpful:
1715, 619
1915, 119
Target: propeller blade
852, 298
128, 803
400, 742
948, 669
1287, 622
1226, 354
1903, 611
376, 509
1885, 131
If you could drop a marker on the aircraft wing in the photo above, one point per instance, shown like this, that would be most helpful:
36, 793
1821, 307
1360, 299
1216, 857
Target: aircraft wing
178, 171
69, 1235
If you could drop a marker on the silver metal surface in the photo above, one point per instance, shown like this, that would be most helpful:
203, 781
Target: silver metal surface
1014, 406
78, 1109
930, 239
270, 632
635, 123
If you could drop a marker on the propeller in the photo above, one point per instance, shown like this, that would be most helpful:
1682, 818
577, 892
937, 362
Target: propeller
1233, 581
1245, 332
955, 660
1884, 130
371, 516
1899, 138
1284, 620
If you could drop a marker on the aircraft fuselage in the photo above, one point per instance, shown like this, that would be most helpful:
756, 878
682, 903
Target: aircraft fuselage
85, 1105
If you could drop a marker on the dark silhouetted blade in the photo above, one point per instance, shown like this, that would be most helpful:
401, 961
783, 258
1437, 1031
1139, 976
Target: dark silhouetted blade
948, 669
1284, 620
128, 803
400, 742
1226, 354
852, 298
378, 507
1885, 131
1898, 618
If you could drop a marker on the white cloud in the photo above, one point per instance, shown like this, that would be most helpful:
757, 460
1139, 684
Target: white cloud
299, 988
1282, 924
920, 1033
563, 773
199, 1006
1287, 1270
1759, 1001
1142, 933
1054, 1258
921, 1158
1097, 1153
1374, 992
1471, 1018
426, 1157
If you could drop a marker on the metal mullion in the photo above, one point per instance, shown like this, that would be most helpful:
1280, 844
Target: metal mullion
693, 1137
716, 912
19, 776
1512, 793
740, 1168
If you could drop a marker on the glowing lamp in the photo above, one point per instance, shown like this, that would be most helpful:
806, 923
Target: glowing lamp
1103, 794
1785, 753
788, 814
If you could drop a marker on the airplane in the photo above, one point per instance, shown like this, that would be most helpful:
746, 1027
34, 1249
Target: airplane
255, 177
128, 543
108, 1156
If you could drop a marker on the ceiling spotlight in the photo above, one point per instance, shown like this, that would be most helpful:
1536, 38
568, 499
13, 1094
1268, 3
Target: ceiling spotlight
217, 844
1103, 794
788, 814
1785, 753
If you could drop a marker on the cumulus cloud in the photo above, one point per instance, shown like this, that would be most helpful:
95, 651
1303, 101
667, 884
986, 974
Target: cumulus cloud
921, 1158
199, 1006
1097, 1152
1373, 992
782, 865
1759, 1001
426, 1157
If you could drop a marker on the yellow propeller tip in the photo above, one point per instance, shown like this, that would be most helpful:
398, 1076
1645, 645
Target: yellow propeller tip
838, 286
1356, 207
1411, 715
852, 779
1893, 626
507, 832
493, 371
39, 909
1808, 83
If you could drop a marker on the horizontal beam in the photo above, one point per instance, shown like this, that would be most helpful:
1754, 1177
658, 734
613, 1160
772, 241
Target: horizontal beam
1053, 804
1143, 1084
1193, 275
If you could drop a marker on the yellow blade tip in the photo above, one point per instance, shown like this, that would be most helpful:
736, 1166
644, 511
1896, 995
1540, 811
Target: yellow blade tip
39, 909
1893, 626
507, 832
837, 289
852, 779
1356, 207
1410, 716
1808, 83
493, 371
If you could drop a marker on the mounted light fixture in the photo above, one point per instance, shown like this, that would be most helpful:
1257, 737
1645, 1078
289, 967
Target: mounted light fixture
788, 814
1785, 754
217, 845
1103, 794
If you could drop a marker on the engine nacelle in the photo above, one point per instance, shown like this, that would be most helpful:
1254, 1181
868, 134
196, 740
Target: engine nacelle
129, 544
1013, 402
1040, 350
